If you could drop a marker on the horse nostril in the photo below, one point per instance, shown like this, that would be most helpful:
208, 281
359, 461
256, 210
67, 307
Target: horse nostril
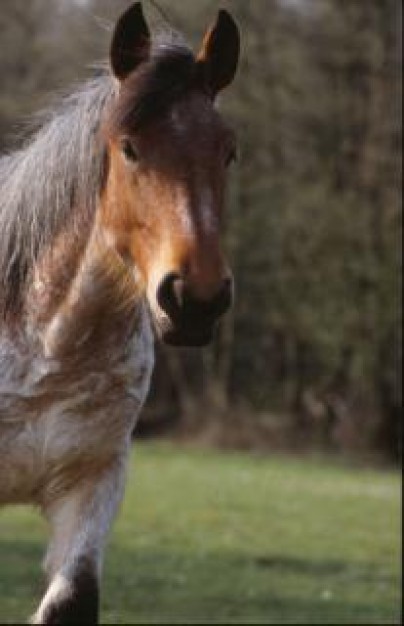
209, 310
170, 294
223, 299
175, 298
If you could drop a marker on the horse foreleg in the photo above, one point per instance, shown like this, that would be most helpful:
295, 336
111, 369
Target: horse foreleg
80, 521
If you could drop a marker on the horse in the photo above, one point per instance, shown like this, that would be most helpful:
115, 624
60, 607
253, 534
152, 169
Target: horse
110, 229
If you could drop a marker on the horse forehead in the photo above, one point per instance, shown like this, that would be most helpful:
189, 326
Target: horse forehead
194, 114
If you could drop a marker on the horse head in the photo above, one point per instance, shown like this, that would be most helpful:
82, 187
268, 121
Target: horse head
168, 151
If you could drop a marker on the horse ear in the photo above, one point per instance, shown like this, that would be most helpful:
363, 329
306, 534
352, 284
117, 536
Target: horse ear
219, 53
130, 44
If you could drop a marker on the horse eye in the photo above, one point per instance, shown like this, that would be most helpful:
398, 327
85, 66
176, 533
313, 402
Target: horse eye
129, 150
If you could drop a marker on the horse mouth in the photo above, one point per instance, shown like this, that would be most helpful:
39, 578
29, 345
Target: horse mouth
183, 335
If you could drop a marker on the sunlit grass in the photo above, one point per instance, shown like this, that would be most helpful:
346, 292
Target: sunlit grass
211, 537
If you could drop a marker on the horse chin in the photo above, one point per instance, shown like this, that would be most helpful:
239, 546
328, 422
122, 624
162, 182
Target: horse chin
187, 339
177, 335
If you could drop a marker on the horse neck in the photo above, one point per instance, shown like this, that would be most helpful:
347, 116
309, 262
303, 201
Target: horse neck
100, 302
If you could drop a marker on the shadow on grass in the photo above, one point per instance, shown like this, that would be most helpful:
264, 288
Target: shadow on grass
363, 572
144, 585
180, 587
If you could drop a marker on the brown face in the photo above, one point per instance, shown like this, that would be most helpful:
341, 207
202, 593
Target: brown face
163, 203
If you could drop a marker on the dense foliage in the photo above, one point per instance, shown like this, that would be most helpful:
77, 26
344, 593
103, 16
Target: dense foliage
312, 350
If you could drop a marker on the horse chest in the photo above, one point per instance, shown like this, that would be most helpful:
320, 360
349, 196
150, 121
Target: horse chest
58, 423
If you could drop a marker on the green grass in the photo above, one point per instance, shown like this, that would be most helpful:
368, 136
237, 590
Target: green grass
229, 538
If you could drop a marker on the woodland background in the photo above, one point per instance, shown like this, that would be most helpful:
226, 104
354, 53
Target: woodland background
311, 355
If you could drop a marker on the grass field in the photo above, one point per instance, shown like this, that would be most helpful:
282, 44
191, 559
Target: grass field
229, 538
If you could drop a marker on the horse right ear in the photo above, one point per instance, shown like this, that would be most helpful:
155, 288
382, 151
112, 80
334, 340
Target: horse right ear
130, 44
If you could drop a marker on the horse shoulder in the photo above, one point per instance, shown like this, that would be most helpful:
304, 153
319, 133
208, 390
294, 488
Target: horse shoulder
61, 419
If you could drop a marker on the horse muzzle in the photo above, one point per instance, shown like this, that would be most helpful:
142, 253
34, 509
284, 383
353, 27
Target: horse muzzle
188, 320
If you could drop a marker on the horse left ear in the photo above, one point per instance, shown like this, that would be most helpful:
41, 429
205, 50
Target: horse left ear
130, 44
219, 53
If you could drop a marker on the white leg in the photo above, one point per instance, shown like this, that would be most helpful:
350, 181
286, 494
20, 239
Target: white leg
80, 522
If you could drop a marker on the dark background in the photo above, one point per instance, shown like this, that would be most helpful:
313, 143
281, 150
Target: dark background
311, 355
